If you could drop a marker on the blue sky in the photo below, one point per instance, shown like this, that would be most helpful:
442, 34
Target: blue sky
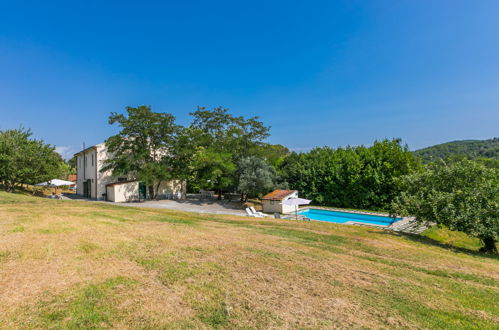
319, 72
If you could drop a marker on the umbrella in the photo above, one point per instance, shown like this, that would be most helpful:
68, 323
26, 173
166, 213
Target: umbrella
295, 202
55, 183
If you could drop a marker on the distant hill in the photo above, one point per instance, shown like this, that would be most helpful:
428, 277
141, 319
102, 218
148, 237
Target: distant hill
469, 148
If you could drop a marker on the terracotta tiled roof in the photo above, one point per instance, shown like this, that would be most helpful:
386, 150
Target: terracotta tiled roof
279, 194
72, 177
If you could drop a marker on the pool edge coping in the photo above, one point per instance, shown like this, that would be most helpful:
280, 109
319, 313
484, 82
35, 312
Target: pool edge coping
402, 220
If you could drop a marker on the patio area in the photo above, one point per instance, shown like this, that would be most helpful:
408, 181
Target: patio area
193, 203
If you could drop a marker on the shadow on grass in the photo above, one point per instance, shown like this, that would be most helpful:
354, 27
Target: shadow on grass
430, 241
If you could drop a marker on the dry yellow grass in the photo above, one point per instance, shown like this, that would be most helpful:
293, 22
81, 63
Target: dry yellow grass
77, 264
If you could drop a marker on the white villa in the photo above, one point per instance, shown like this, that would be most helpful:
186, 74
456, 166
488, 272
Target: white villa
92, 183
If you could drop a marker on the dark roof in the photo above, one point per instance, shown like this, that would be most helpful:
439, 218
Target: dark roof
279, 194
85, 150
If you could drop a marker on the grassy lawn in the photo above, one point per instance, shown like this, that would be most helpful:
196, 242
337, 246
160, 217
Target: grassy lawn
93, 265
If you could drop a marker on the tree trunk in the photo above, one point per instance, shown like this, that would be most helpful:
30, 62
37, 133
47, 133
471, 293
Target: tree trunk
156, 190
489, 244
151, 192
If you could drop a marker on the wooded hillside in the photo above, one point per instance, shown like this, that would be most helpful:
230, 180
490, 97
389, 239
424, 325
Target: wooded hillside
471, 149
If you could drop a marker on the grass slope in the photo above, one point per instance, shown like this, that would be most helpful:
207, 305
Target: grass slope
66, 264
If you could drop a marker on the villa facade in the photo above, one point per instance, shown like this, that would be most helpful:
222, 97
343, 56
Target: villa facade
94, 183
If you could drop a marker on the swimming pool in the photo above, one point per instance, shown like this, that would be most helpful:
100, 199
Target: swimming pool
342, 217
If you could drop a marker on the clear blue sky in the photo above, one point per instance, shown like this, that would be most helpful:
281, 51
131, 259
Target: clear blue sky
319, 72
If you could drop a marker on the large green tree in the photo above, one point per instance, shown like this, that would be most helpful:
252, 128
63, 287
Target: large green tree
220, 140
24, 160
143, 149
463, 196
214, 170
219, 130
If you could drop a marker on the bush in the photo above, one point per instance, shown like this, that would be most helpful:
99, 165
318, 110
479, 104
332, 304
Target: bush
463, 196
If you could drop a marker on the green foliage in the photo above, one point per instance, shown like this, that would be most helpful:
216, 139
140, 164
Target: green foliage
273, 154
255, 176
463, 196
219, 130
26, 161
214, 169
470, 149
219, 140
353, 177
141, 150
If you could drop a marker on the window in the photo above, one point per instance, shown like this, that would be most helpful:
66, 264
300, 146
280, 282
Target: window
92, 159
86, 161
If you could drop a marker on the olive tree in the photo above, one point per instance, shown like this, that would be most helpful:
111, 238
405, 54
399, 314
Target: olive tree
463, 196
255, 177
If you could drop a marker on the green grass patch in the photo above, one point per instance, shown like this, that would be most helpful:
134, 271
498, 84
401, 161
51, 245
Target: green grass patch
328, 242
56, 229
173, 269
453, 238
9, 255
265, 253
208, 300
435, 272
18, 229
174, 220
88, 247
89, 308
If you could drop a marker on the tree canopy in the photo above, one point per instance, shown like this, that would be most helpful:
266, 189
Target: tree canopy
353, 177
24, 160
141, 150
221, 140
463, 196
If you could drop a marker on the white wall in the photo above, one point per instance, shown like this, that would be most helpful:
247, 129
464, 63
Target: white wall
171, 187
103, 178
86, 163
123, 192
271, 206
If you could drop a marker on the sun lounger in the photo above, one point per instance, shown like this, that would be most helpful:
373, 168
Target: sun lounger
251, 214
252, 209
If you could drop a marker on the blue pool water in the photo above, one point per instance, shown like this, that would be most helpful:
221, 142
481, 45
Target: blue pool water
342, 217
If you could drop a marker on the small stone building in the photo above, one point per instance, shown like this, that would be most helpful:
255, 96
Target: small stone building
272, 202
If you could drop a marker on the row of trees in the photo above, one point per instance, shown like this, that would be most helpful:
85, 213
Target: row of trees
216, 151
24, 160
353, 177
224, 152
